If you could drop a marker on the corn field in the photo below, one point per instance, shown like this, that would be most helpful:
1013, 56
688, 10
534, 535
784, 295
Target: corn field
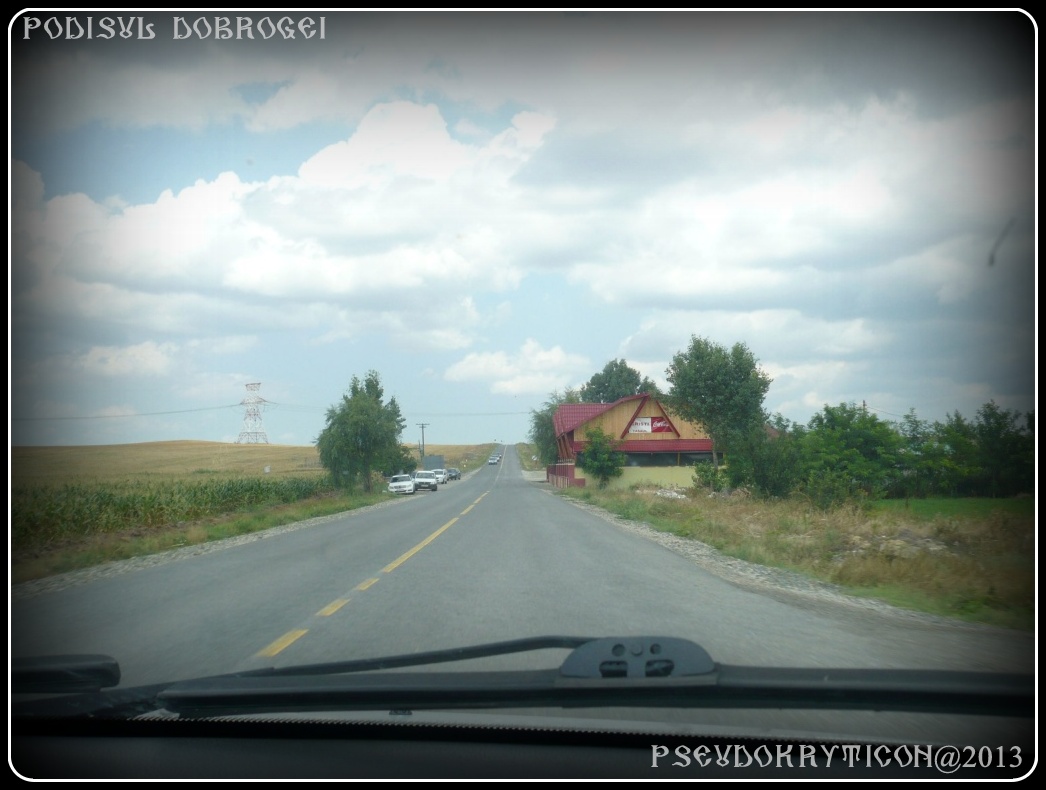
42, 515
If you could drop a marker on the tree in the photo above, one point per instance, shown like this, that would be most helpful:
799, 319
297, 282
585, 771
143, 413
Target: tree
617, 380
918, 458
362, 433
600, 457
959, 462
850, 454
542, 428
767, 459
403, 460
1006, 451
723, 390
993, 455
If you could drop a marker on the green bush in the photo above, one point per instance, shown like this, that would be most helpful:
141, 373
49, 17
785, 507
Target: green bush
828, 489
600, 457
707, 475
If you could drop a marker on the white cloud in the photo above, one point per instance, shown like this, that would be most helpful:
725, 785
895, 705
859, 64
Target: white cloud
692, 240
393, 140
769, 334
951, 272
144, 359
306, 96
516, 144
233, 344
227, 242
185, 239
531, 370
215, 389
662, 175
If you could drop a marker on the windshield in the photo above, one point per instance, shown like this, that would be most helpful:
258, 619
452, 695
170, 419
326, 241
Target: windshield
709, 326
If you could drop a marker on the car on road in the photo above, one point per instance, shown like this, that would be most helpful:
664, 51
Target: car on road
453, 473
493, 459
402, 484
426, 480
441, 475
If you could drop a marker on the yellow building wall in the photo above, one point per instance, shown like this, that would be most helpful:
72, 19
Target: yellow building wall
660, 476
617, 419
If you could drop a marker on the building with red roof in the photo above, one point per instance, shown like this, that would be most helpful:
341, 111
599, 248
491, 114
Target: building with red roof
659, 447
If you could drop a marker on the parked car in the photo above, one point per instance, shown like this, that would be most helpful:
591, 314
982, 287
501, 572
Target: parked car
402, 484
441, 475
453, 473
426, 480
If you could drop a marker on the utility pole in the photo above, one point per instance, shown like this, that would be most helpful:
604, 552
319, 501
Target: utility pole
423, 426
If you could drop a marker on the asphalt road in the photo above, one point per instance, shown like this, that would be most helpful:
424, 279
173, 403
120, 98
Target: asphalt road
488, 558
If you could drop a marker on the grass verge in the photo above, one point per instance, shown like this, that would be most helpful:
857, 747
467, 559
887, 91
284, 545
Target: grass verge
968, 559
94, 549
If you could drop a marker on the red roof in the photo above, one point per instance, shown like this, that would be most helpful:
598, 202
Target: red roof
570, 415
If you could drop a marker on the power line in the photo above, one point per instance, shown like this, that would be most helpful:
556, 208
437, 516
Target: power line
268, 404
419, 414
883, 411
471, 414
126, 416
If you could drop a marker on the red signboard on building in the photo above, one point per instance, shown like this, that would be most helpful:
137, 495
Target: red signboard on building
650, 425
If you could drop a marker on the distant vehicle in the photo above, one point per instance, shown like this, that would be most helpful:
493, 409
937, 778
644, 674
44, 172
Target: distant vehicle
441, 475
453, 473
433, 462
426, 480
493, 459
402, 484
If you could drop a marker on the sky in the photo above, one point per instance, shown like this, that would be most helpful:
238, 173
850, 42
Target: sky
488, 208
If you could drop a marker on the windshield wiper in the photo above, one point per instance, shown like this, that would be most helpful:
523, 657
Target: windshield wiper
63, 674
427, 658
607, 672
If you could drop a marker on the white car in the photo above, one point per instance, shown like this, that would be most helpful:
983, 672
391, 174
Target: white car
402, 484
441, 475
426, 480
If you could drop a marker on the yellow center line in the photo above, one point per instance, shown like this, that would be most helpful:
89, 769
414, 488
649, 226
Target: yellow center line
466, 510
292, 636
287, 639
404, 557
332, 607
